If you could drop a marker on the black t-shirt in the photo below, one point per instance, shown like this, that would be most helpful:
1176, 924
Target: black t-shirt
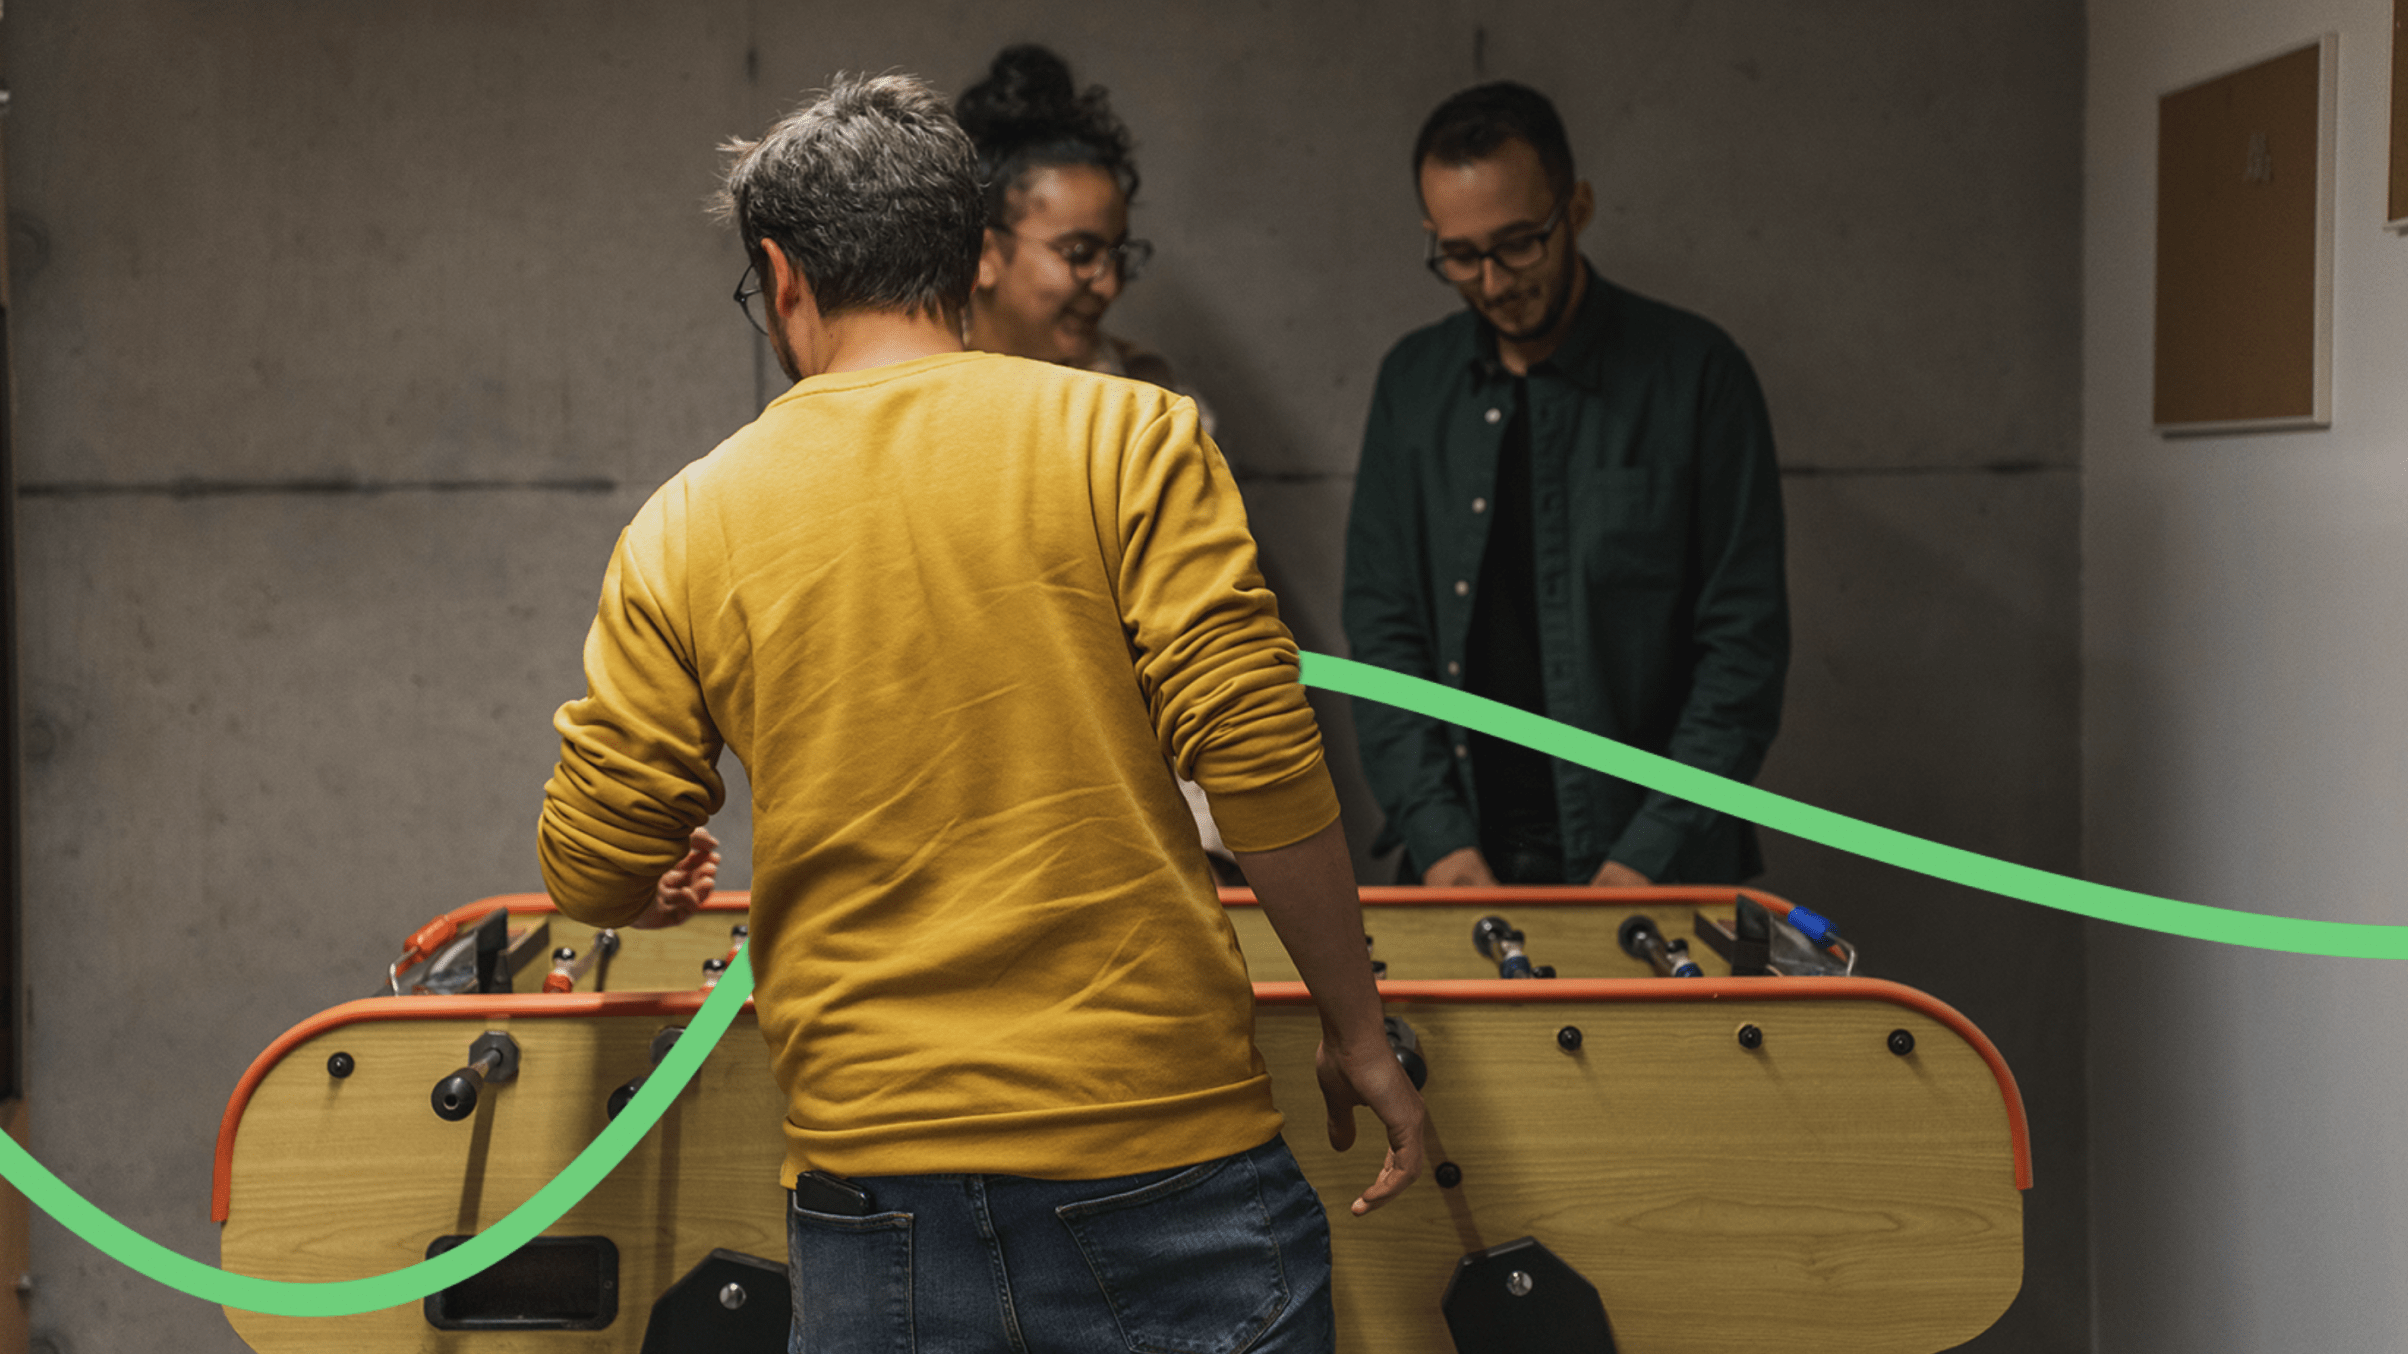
1515, 785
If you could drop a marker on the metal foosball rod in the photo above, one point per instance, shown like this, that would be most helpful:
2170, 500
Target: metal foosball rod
1497, 940
1642, 939
568, 968
493, 1058
663, 1040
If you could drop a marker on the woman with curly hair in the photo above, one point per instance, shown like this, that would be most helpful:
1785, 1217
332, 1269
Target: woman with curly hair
1059, 181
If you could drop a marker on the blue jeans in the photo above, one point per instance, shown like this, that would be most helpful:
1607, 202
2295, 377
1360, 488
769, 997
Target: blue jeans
1227, 1256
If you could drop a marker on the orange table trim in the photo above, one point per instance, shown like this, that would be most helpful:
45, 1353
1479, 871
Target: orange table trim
1374, 895
1491, 990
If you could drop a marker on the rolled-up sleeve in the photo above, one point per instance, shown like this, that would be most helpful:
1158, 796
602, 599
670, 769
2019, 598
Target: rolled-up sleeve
1216, 665
639, 753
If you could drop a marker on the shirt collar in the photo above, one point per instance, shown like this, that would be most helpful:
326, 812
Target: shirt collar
1583, 346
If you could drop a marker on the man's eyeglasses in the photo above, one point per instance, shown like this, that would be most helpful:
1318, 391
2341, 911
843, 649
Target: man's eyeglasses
1461, 263
1088, 255
747, 291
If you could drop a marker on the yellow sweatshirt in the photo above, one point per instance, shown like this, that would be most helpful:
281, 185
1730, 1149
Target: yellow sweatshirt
960, 617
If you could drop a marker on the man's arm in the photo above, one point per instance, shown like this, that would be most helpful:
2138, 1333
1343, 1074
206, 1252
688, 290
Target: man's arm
1407, 758
638, 772
1216, 667
1740, 623
1219, 673
1308, 892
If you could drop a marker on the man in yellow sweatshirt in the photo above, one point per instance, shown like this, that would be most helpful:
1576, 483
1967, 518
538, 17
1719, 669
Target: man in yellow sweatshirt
961, 616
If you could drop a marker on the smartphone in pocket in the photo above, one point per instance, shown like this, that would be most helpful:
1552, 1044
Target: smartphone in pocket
820, 1192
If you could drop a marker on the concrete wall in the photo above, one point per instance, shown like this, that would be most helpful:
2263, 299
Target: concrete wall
349, 335
2243, 746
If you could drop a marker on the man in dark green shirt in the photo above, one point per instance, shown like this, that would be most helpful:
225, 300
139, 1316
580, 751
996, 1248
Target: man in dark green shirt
1567, 502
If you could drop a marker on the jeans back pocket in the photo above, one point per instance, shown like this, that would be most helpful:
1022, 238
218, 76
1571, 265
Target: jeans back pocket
851, 1279
1188, 1263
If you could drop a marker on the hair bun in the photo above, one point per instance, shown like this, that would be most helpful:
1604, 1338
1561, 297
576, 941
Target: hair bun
1028, 114
1028, 90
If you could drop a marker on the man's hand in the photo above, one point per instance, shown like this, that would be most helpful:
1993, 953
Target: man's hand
1463, 867
1374, 1080
1307, 891
686, 887
1615, 875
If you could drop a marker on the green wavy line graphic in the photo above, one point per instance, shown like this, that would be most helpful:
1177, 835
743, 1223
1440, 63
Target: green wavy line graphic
344, 1297
2296, 935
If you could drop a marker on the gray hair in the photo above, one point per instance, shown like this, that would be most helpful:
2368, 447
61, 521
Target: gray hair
871, 190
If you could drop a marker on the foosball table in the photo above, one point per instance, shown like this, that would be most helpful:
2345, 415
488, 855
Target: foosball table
1661, 1123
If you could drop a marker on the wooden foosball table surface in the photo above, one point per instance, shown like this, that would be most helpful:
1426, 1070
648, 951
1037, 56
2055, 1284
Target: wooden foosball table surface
1804, 1164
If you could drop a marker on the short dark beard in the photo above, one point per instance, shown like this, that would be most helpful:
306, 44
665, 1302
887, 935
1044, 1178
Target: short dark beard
1549, 318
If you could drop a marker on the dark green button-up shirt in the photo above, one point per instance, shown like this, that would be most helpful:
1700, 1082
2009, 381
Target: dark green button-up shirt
1657, 536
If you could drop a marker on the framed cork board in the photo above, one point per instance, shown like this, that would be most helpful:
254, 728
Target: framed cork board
2245, 247
2397, 208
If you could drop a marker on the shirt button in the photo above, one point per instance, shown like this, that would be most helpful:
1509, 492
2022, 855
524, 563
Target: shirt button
1462, 589
1462, 751
1494, 414
1453, 668
1479, 505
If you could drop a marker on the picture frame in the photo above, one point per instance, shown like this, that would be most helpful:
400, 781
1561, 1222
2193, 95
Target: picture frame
2396, 202
2244, 306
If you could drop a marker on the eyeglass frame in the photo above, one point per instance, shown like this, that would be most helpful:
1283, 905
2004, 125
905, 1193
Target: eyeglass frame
744, 296
1128, 258
1437, 260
